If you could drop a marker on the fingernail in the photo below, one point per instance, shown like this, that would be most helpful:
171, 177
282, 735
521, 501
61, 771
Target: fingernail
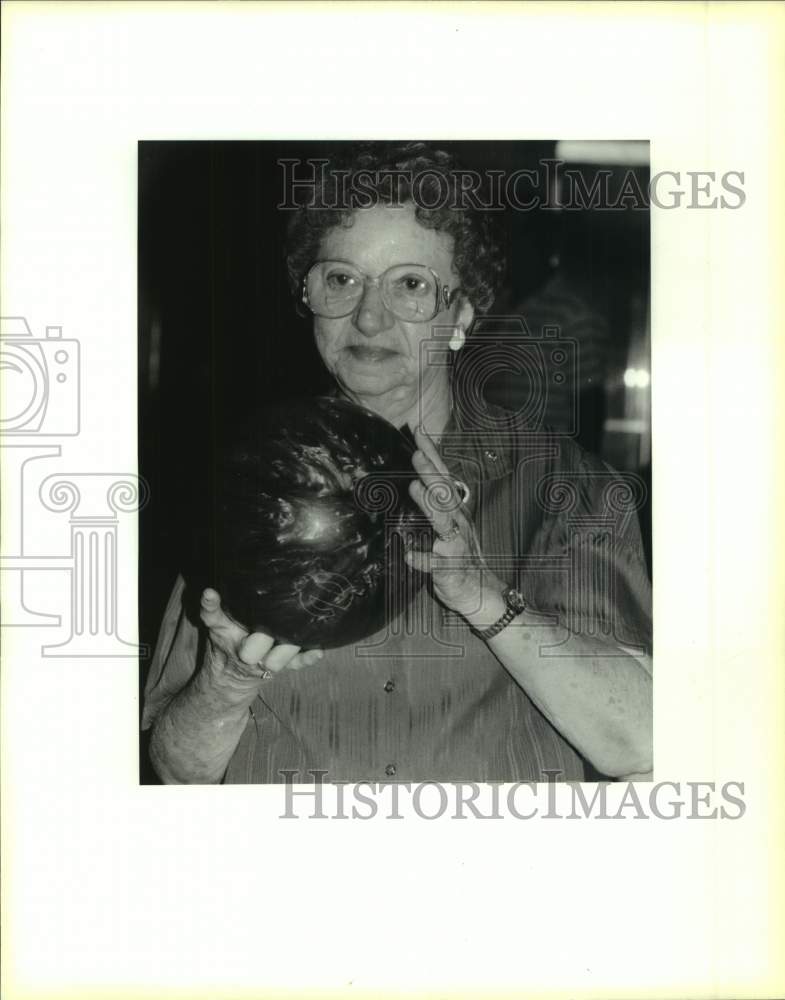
249, 650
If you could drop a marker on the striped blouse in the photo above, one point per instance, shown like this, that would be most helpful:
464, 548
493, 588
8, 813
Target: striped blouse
424, 698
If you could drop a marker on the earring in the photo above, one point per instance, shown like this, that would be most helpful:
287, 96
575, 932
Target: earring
458, 338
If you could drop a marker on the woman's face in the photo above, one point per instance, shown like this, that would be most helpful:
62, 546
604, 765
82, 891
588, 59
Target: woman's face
374, 355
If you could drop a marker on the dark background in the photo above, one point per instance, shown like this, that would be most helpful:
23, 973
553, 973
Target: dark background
218, 330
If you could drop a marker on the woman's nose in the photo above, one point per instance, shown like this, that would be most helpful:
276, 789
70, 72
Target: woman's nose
372, 316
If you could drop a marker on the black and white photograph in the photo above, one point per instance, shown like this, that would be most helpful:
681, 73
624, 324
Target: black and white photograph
394, 411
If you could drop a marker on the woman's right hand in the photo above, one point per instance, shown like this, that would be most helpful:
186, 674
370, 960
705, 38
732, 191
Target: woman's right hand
238, 661
198, 731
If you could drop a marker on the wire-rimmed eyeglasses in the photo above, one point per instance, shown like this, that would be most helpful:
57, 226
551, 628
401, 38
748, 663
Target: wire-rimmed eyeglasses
411, 292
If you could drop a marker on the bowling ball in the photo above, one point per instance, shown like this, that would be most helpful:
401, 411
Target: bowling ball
313, 520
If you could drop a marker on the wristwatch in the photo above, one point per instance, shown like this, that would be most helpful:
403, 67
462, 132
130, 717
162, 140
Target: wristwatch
516, 604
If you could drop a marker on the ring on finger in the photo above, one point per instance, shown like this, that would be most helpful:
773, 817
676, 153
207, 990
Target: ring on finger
266, 673
463, 490
452, 532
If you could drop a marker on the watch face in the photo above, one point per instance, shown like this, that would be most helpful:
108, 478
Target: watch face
515, 600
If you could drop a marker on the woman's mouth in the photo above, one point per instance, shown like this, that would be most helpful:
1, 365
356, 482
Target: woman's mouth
370, 355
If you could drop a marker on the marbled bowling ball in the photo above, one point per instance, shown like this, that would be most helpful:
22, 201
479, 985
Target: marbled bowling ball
314, 517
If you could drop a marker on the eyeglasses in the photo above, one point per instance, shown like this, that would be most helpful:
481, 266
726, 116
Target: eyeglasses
411, 292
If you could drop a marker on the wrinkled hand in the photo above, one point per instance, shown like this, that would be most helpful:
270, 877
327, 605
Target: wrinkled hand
461, 579
241, 660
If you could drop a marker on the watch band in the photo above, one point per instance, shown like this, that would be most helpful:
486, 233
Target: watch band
515, 606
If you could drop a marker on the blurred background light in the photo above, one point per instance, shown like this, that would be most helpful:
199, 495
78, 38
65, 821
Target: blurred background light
631, 153
636, 378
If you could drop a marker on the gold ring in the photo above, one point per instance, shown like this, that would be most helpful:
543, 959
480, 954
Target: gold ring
463, 489
453, 532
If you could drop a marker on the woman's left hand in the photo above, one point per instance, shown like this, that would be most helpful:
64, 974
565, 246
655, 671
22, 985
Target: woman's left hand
460, 576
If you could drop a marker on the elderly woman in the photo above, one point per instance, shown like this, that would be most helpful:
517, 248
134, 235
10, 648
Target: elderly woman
528, 652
